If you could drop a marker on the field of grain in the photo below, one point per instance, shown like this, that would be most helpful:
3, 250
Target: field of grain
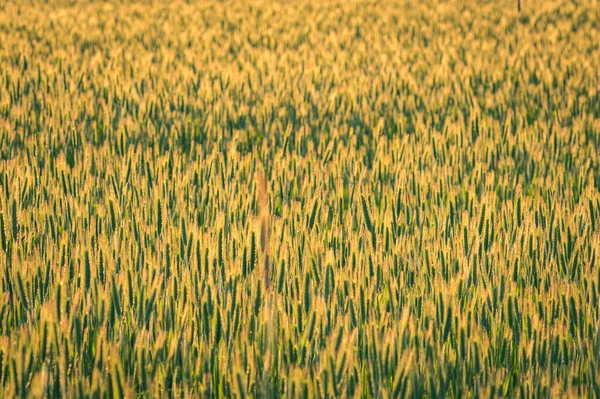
300, 199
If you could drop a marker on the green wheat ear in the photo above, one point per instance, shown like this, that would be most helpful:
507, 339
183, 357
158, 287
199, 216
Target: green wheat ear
218, 327
369, 222
21, 292
3, 239
159, 217
15, 222
307, 293
329, 282
87, 275
313, 214
281, 279
366, 214
253, 252
519, 213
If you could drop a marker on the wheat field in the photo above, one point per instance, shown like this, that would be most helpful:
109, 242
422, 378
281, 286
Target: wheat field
300, 199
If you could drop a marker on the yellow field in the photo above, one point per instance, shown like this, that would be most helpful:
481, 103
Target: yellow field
300, 199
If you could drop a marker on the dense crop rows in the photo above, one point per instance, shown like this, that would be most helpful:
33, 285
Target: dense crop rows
300, 199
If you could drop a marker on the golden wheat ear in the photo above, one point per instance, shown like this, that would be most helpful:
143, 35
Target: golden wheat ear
263, 201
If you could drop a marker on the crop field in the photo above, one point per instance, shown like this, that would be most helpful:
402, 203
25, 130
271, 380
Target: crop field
300, 199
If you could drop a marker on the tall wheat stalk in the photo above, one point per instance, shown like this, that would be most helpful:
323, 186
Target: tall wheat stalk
263, 203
